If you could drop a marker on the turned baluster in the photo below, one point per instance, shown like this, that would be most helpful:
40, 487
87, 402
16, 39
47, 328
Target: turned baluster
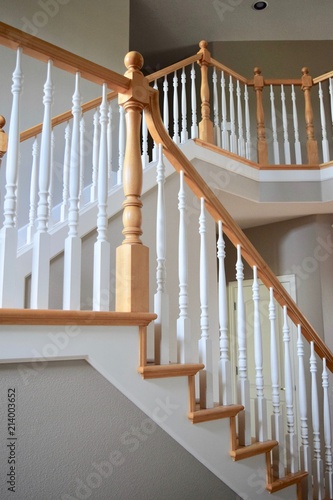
3, 138
258, 85
206, 132
132, 284
312, 146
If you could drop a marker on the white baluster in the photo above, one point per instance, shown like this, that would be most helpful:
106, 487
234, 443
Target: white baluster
72, 251
298, 154
33, 192
260, 401
205, 343
233, 137
194, 126
274, 129
324, 142
327, 436
161, 298
155, 146
217, 129
243, 386
184, 133
224, 364
121, 144
93, 189
291, 437
50, 195
101, 277
277, 417
8, 233
285, 128
175, 137
225, 134
166, 103
82, 156
331, 98
305, 450
144, 156
248, 144
41, 249
183, 322
317, 465
110, 147
65, 190
241, 145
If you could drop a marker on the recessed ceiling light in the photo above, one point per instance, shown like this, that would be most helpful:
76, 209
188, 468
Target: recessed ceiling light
259, 5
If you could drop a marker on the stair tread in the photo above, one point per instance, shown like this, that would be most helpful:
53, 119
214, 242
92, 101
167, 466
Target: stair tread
171, 370
288, 480
218, 412
252, 450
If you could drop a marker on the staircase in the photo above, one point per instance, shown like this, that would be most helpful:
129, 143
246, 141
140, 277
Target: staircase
64, 219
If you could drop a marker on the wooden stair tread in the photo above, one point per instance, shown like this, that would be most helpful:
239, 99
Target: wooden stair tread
252, 450
172, 370
215, 413
288, 480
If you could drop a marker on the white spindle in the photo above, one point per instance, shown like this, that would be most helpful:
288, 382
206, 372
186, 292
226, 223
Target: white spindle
274, 129
121, 144
331, 98
72, 251
260, 401
194, 126
110, 146
248, 144
67, 158
317, 465
327, 436
241, 144
243, 386
324, 142
233, 136
101, 276
286, 144
298, 154
155, 146
183, 322
166, 103
8, 234
82, 155
291, 437
205, 343
305, 450
41, 251
225, 395
217, 129
33, 192
184, 133
95, 149
50, 195
175, 137
277, 417
161, 298
225, 134
144, 156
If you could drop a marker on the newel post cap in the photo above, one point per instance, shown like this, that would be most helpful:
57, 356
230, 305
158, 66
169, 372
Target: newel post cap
139, 89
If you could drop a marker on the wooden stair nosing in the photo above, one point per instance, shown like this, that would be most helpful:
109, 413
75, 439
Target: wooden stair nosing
215, 413
172, 370
289, 480
252, 450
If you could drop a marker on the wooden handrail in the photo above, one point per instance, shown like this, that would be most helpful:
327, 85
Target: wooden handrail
64, 117
174, 67
323, 77
43, 51
229, 71
231, 228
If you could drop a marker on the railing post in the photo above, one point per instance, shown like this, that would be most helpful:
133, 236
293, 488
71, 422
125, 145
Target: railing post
3, 138
132, 257
311, 145
206, 132
258, 85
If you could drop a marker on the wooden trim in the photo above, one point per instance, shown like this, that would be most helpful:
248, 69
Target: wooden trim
233, 434
252, 450
323, 77
214, 413
172, 370
284, 482
83, 318
174, 67
43, 51
142, 345
232, 156
231, 228
191, 393
282, 81
65, 117
221, 67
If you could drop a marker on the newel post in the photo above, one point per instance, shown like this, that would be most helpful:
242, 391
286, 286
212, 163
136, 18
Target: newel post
206, 132
311, 144
132, 257
258, 85
3, 138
